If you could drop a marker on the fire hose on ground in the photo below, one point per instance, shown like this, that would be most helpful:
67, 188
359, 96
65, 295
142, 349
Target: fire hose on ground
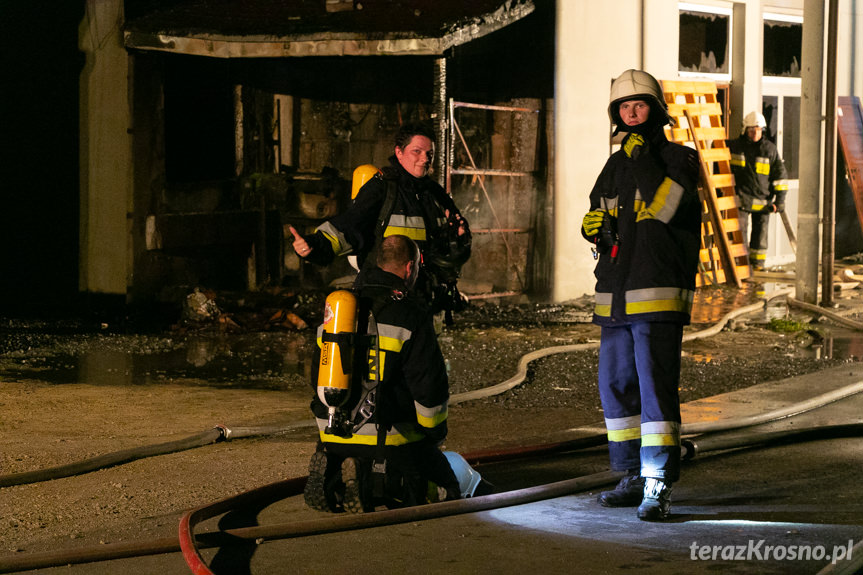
224, 433
190, 542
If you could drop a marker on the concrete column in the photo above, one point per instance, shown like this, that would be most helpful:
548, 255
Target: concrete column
746, 63
661, 38
106, 151
587, 58
811, 116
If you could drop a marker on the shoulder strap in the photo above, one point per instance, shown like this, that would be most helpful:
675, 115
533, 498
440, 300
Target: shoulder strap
387, 206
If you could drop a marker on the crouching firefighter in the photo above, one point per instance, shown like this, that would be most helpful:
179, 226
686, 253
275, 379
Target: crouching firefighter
381, 425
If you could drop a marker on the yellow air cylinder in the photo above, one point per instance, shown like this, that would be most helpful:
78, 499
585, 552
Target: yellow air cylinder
336, 364
362, 174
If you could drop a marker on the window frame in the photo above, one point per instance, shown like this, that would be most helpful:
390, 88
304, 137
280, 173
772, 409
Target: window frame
720, 9
780, 17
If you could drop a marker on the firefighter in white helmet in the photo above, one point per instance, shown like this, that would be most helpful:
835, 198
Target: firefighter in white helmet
644, 223
760, 181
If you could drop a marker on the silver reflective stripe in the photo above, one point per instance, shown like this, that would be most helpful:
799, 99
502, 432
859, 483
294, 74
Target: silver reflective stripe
649, 427
403, 221
666, 200
657, 300
649, 294
603, 298
410, 226
614, 424
337, 239
392, 337
602, 307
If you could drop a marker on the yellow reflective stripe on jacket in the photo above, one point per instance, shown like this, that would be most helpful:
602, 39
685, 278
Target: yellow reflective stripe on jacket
738, 160
758, 204
430, 417
780, 185
660, 433
603, 304
336, 238
665, 202
410, 226
368, 435
762, 166
650, 300
623, 428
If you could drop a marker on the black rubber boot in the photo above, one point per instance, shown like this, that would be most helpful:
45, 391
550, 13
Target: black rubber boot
358, 497
628, 493
657, 500
322, 491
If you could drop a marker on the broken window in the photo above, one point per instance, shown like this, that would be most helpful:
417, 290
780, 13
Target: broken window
704, 41
783, 44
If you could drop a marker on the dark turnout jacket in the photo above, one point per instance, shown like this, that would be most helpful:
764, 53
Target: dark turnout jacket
418, 212
654, 203
759, 173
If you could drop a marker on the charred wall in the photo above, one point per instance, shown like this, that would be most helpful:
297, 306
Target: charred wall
41, 63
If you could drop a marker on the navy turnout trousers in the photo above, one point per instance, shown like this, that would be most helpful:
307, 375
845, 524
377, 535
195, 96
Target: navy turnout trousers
639, 374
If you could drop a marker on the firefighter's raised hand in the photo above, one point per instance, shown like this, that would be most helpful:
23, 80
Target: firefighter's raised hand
301, 246
592, 222
456, 219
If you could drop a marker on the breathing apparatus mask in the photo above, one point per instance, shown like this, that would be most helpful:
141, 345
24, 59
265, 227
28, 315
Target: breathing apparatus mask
416, 261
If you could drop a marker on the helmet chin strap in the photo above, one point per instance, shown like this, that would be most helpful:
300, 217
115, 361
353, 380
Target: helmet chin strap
413, 271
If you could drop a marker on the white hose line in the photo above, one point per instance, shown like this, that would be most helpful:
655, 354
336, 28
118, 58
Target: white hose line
521, 373
849, 323
781, 413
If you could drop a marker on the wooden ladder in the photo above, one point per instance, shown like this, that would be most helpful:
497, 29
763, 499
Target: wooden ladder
724, 257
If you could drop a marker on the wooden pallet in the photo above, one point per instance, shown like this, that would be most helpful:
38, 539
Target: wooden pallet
724, 257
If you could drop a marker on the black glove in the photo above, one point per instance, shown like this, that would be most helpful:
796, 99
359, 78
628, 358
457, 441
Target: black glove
779, 206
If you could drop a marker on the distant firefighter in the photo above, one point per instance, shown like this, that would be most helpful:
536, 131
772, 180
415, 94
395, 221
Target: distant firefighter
760, 182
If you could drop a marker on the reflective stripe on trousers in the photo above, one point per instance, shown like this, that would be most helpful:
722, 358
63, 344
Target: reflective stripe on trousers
639, 374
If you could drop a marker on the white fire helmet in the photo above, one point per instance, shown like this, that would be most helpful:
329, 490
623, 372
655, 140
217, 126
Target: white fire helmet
754, 120
468, 477
636, 85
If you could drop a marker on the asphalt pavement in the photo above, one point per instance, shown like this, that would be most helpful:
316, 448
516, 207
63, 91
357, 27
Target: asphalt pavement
793, 507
